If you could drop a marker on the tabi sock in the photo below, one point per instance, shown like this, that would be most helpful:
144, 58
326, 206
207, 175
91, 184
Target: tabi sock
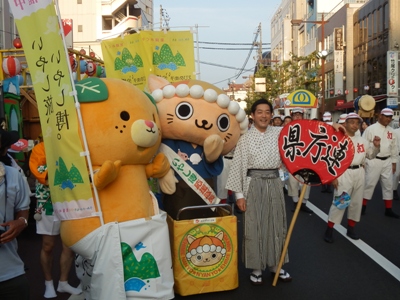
64, 287
50, 291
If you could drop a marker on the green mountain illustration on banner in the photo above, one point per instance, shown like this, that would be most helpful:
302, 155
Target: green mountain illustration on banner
127, 63
136, 272
65, 178
167, 60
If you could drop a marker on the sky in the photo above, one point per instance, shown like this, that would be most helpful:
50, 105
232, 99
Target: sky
221, 21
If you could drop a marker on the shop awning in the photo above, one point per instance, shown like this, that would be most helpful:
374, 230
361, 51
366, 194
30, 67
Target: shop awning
350, 104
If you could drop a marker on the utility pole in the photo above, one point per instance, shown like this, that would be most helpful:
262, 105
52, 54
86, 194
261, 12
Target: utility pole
259, 32
164, 17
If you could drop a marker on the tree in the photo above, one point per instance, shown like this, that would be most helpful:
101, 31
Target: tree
300, 72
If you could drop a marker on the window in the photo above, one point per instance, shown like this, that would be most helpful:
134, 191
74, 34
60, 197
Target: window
369, 25
385, 17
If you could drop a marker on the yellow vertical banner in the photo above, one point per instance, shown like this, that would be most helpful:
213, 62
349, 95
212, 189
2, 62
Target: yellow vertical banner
134, 57
123, 58
47, 61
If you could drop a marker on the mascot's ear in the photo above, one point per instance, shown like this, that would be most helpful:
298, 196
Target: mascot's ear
156, 82
151, 99
91, 90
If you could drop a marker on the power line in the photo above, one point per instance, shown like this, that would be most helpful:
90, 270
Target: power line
248, 49
242, 44
222, 66
252, 47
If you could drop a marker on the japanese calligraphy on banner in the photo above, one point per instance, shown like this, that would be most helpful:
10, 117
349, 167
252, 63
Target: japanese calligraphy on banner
338, 36
392, 73
44, 50
339, 61
134, 57
315, 149
301, 98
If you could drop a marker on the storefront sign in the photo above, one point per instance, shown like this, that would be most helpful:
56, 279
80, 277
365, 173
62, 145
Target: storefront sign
392, 73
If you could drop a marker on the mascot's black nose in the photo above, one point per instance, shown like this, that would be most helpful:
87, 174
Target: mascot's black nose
204, 122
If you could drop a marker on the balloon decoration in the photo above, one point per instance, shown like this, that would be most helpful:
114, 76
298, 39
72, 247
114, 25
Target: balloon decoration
83, 65
91, 68
11, 66
17, 43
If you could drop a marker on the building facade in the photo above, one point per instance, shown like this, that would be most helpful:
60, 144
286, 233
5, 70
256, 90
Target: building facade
361, 42
94, 21
7, 26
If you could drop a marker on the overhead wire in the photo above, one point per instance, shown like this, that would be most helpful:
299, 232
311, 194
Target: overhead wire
242, 44
211, 48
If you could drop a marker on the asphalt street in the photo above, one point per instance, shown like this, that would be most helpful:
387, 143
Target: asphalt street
365, 269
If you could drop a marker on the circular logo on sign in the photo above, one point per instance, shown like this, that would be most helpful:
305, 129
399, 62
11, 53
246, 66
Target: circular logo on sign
301, 98
205, 251
287, 102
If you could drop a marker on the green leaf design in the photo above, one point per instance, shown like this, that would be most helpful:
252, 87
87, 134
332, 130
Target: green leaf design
146, 268
137, 61
179, 61
74, 175
118, 64
91, 90
156, 59
127, 57
166, 56
62, 173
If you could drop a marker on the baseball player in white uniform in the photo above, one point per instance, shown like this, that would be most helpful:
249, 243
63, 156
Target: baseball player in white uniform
294, 184
384, 165
352, 180
396, 176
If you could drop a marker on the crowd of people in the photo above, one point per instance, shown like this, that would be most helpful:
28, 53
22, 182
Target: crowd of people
254, 179
250, 178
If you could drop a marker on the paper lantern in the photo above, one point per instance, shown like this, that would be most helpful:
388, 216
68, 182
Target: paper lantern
92, 54
11, 66
17, 43
82, 51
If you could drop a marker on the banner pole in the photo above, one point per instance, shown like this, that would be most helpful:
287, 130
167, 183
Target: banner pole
287, 240
198, 53
77, 106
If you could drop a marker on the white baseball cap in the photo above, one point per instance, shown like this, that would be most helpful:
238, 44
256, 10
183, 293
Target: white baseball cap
387, 112
342, 118
297, 110
276, 116
354, 116
327, 116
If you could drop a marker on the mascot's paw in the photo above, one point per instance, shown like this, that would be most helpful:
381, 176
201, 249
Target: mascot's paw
107, 173
213, 146
159, 166
168, 183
